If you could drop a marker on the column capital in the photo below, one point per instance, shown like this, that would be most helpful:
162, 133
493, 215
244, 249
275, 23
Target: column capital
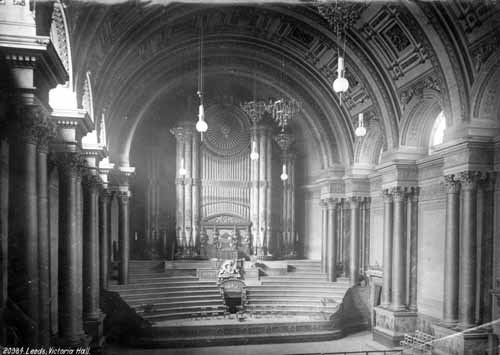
31, 124
387, 196
489, 181
123, 196
355, 201
69, 163
398, 194
332, 203
46, 132
92, 182
323, 203
105, 194
469, 179
452, 185
183, 131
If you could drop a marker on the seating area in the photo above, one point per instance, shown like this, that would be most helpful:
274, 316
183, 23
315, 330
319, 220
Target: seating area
157, 296
304, 290
179, 307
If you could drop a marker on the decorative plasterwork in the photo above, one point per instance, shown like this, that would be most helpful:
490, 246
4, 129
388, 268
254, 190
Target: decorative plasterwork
60, 38
388, 32
482, 50
472, 14
228, 130
450, 48
416, 88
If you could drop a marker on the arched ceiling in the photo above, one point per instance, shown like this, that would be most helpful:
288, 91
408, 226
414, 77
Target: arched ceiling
141, 55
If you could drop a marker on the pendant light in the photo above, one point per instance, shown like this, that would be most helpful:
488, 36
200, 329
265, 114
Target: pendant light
284, 175
253, 154
360, 130
201, 125
182, 169
340, 85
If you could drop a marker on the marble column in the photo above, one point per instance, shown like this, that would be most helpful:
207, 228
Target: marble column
340, 243
332, 240
387, 251
196, 169
291, 205
91, 309
486, 247
178, 132
254, 189
399, 251
262, 188
270, 242
452, 251
123, 236
23, 243
104, 237
70, 271
4, 229
413, 228
43, 236
324, 234
468, 255
188, 187
354, 204
53, 201
365, 225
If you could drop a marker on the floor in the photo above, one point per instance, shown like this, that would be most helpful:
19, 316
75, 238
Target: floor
355, 342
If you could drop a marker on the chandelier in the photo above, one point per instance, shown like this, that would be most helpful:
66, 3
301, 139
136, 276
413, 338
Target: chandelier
283, 111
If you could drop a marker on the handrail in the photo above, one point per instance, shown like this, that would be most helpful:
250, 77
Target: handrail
361, 352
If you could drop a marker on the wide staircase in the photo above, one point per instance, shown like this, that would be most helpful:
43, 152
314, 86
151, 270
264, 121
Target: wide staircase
303, 290
287, 305
156, 295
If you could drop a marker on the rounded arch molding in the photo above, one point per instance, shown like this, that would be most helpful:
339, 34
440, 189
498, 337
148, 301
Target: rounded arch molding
317, 113
418, 119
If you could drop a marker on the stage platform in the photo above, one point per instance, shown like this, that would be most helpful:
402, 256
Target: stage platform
183, 304
231, 331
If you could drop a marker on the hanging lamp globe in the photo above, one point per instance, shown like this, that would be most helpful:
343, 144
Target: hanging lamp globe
340, 84
201, 125
284, 175
360, 130
253, 154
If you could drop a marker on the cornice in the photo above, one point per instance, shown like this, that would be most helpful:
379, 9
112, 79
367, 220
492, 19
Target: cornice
34, 51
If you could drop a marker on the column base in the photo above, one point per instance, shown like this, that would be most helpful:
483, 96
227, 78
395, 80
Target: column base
76, 341
460, 341
94, 328
391, 326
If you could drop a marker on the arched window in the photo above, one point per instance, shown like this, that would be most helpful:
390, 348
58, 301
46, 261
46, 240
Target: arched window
437, 133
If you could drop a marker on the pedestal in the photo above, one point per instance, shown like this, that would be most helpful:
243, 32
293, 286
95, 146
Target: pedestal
391, 326
457, 342
94, 329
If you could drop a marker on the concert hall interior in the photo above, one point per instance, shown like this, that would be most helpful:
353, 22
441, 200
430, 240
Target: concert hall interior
316, 175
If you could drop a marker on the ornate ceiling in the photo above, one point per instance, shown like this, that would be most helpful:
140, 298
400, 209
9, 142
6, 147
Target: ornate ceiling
137, 57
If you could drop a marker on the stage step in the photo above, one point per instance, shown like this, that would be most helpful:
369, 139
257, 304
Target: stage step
173, 299
182, 314
165, 295
157, 295
232, 332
